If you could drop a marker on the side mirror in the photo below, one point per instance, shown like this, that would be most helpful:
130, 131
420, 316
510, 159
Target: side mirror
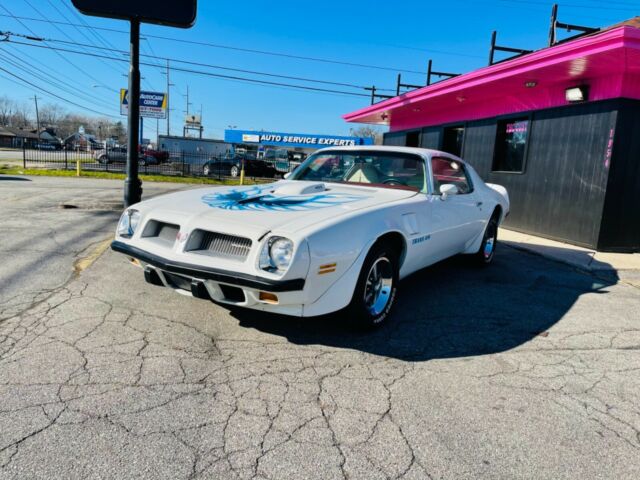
287, 175
448, 189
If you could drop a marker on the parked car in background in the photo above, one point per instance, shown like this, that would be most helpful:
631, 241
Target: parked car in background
338, 233
45, 146
161, 156
278, 158
232, 165
119, 155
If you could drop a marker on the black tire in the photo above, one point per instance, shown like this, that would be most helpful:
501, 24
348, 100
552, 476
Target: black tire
206, 170
103, 159
235, 171
484, 256
366, 312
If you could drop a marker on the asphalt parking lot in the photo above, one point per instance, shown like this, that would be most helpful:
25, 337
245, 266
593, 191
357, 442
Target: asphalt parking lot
527, 369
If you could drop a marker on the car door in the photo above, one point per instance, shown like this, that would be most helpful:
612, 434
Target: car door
457, 217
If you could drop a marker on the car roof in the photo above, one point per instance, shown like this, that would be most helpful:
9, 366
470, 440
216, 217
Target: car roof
425, 152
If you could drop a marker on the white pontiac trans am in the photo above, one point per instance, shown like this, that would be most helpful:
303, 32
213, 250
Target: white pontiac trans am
338, 233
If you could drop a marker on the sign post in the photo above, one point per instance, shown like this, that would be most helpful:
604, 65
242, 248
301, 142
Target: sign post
132, 184
177, 13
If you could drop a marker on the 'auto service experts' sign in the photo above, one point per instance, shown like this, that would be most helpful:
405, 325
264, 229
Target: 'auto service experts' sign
293, 139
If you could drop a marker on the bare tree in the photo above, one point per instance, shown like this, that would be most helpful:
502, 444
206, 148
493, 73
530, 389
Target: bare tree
51, 114
21, 116
6, 110
368, 131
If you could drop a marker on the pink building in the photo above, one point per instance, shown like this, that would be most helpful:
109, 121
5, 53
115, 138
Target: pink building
559, 127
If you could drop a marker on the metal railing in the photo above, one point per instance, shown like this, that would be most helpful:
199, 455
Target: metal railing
173, 163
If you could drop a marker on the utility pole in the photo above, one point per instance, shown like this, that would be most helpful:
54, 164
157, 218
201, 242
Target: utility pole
201, 127
35, 99
132, 184
188, 103
169, 85
184, 128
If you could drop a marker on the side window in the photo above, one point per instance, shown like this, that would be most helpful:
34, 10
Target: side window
446, 171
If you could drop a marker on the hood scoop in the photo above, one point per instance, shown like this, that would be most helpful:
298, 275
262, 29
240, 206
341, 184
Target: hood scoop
300, 188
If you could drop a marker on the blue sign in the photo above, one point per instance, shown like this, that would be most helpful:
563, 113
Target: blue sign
304, 140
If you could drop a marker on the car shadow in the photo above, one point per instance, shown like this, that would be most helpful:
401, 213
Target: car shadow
454, 309
17, 179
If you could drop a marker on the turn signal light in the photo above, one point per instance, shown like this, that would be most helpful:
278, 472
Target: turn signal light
267, 297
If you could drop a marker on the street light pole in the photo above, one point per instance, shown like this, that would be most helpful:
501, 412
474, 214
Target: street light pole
132, 184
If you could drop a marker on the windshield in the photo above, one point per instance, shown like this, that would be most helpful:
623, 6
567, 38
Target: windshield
371, 168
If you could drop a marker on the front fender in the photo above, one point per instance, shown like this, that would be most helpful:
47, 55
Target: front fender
339, 293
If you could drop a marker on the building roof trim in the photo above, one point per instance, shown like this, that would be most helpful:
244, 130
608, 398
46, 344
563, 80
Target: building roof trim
618, 37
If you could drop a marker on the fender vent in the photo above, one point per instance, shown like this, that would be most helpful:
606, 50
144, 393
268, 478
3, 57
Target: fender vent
219, 245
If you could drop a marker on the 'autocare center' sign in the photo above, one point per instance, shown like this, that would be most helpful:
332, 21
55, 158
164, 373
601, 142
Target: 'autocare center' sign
152, 104
279, 139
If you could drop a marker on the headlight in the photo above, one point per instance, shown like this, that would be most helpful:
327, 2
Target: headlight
276, 254
128, 223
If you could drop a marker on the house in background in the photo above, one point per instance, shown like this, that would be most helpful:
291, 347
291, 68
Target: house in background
82, 141
7, 138
11, 137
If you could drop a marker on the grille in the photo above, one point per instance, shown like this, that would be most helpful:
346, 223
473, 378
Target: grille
219, 245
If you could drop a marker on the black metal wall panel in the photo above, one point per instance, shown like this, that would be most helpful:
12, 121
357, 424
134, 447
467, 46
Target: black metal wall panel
561, 193
620, 229
431, 137
396, 139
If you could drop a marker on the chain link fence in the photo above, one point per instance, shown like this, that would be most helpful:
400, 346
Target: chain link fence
151, 162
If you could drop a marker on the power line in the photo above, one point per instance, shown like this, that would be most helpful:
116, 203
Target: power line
45, 77
55, 95
242, 49
61, 56
199, 72
78, 91
63, 32
200, 64
573, 5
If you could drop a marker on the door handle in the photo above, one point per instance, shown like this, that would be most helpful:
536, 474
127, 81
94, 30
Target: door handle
479, 204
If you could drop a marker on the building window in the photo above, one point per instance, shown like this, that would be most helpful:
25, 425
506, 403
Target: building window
452, 140
511, 142
413, 139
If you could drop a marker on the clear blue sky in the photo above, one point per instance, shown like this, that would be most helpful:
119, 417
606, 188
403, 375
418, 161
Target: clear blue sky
395, 35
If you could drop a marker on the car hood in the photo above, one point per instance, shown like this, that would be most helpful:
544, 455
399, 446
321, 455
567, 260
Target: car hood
285, 206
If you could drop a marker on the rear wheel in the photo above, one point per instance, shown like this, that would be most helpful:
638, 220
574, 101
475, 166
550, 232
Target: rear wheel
103, 159
376, 289
206, 170
487, 250
235, 171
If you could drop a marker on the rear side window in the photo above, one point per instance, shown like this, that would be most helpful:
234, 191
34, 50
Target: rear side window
448, 171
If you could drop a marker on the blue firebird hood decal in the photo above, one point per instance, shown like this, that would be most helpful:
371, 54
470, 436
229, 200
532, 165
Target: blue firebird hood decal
262, 198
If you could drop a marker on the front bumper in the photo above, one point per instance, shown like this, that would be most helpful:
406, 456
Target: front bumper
207, 273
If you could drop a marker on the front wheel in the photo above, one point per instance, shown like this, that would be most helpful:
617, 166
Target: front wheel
376, 289
206, 170
487, 250
235, 171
